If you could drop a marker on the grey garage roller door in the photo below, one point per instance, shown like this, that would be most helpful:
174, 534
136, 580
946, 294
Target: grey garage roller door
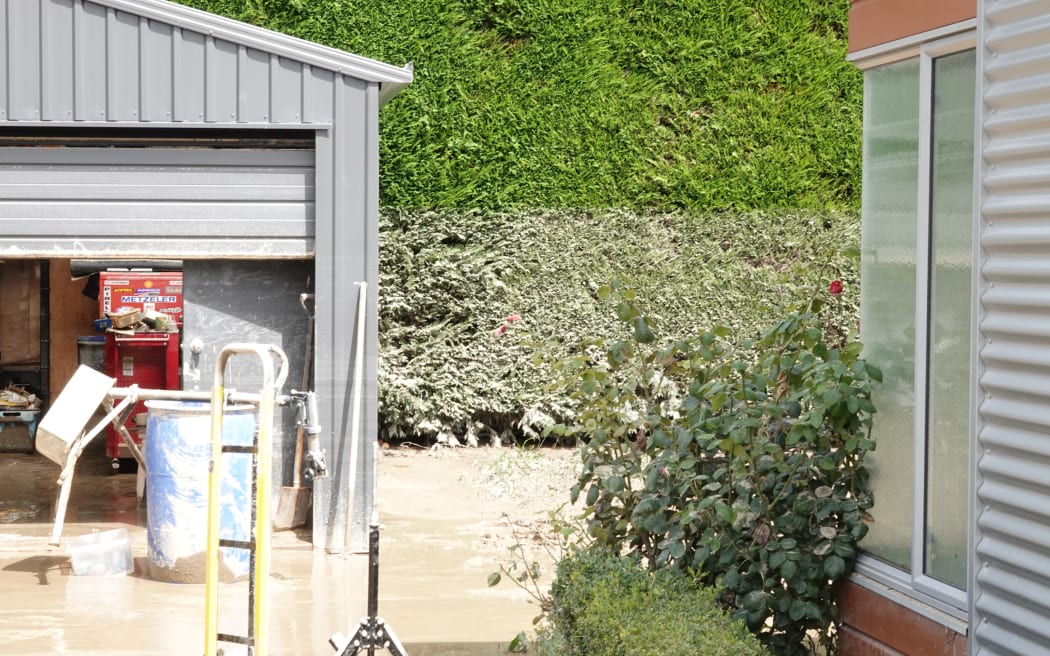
185, 201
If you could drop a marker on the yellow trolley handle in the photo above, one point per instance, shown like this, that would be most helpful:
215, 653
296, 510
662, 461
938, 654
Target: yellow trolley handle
259, 542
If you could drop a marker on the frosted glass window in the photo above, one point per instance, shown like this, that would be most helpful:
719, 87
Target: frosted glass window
948, 368
889, 251
916, 291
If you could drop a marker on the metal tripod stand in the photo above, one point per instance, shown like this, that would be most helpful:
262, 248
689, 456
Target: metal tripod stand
371, 632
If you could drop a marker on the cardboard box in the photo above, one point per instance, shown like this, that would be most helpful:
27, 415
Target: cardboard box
124, 317
72, 412
19, 312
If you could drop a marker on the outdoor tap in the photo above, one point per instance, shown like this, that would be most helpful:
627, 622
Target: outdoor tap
193, 363
316, 467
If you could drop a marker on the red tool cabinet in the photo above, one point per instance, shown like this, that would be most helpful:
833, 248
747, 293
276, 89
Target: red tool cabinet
147, 359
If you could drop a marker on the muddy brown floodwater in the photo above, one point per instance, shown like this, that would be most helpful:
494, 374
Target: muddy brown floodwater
449, 518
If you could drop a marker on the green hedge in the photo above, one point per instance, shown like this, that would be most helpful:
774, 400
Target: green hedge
662, 104
606, 605
449, 280
702, 117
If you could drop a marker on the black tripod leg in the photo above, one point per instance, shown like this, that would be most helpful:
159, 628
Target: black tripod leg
371, 633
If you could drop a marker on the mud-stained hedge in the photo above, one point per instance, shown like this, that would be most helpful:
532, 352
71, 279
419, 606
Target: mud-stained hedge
468, 299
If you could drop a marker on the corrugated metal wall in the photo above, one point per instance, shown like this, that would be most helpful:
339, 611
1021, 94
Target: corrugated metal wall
84, 64
157, 202
89, 66
72, 60
1011, 573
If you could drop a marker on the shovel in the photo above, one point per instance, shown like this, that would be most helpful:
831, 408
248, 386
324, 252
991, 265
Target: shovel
293, 502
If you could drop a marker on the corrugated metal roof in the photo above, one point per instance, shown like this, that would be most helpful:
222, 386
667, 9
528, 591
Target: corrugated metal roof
264, 40
152, 61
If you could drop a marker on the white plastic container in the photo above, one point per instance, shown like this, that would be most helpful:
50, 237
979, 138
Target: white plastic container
104, 553
71, 413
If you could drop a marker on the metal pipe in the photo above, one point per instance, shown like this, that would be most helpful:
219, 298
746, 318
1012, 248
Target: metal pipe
44, 370
349, 543
373, 586
192, 395
80, 268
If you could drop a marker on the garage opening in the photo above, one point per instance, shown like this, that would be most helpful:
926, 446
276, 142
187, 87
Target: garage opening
54, 319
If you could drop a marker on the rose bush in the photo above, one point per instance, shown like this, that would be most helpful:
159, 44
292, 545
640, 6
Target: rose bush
741, 465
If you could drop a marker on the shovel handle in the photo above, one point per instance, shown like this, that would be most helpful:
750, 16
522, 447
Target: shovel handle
297, 472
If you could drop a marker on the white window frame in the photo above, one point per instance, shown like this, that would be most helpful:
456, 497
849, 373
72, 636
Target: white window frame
917, 591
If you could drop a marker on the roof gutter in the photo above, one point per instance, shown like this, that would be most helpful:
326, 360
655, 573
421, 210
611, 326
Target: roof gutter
387, 90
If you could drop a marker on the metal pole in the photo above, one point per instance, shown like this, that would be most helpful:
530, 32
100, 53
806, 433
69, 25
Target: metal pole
262, 516
373, 585
232, 397
211, 576
349, 545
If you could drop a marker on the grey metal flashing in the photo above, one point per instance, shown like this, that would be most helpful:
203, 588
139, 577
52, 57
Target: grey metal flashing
393, 78
977, 372
977, 362
324, 325
364, 496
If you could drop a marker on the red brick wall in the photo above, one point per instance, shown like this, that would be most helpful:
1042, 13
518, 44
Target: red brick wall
873, 625
872, 22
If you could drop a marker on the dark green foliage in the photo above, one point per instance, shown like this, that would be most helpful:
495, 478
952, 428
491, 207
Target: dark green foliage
605, 605
665, 104
741, 464
449, 280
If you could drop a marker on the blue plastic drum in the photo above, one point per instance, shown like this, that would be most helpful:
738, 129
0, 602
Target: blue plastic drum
178, 452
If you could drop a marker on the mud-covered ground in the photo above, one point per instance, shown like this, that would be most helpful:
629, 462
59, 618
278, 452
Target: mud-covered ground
453, 517
461, 481
505, 495
450, 517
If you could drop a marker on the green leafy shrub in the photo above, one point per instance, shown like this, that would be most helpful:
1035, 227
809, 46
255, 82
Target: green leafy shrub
664, 104
742, 464
607, 605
